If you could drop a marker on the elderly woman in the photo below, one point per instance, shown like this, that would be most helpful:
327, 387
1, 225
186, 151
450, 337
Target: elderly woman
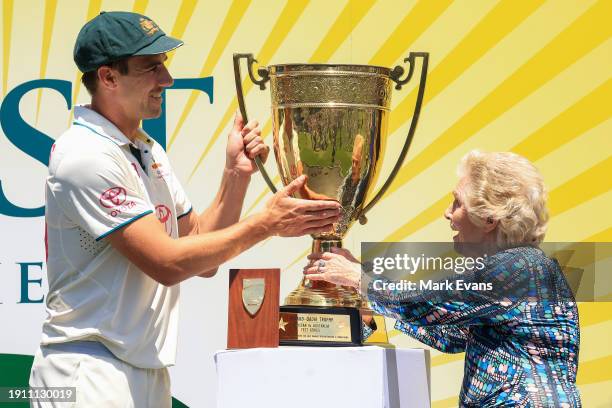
521, 351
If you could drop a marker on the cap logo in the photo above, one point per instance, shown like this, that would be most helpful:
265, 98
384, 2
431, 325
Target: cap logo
148, 26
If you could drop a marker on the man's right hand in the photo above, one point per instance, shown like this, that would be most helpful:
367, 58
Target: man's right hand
292, 217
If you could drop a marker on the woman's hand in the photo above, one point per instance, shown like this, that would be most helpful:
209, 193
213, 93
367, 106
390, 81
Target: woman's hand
339, 267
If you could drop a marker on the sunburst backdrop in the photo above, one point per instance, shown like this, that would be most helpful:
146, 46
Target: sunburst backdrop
533, 77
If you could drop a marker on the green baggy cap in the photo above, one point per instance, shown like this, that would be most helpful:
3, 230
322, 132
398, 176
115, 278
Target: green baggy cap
115, 35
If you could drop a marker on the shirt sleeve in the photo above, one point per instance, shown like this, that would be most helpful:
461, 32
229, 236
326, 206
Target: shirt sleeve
98, 193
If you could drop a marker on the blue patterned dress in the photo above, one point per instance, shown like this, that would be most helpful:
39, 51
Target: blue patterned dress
519, 353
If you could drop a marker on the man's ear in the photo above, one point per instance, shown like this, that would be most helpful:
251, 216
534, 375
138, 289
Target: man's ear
490, 224
107, 78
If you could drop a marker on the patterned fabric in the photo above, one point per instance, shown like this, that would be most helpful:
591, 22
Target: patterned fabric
521, 352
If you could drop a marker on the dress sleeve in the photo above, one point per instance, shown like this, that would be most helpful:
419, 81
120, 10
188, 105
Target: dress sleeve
448, 339
506, 273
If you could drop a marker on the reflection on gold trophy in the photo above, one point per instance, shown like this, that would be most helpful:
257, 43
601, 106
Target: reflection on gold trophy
330, 123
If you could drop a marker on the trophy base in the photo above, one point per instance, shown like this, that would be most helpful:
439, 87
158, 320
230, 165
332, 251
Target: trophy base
320, 293
319, 313
319, 326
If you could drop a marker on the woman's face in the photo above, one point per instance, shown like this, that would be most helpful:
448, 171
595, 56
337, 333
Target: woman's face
456, 213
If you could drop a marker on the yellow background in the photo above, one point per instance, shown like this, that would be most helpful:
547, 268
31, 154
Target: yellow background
533, 77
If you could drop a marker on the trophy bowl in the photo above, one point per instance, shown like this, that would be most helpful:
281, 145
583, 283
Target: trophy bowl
329, 122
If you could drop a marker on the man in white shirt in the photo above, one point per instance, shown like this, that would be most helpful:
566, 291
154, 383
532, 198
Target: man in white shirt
121, 233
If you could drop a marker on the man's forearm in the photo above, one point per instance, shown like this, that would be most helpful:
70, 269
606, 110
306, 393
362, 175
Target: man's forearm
169, 261
207, 251
226, 207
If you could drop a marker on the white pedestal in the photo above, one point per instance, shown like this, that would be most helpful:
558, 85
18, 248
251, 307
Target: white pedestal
322, 377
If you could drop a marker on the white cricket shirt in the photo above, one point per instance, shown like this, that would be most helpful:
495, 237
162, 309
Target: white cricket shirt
96, 186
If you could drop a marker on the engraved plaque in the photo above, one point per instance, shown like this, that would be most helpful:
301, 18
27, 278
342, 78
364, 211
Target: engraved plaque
314, 326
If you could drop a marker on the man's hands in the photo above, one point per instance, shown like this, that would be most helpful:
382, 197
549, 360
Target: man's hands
291, 217
244, 143
339, 267
284, 215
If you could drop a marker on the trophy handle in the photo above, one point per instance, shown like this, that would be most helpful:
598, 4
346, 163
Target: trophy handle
396, 74
265, 77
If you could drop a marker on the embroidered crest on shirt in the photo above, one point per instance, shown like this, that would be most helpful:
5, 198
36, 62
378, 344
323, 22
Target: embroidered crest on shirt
158, 169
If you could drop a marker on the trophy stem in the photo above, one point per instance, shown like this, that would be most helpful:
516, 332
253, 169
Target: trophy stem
325, 245
320, 293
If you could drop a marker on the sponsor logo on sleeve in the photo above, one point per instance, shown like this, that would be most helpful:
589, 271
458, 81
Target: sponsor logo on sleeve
115, 199
164, 215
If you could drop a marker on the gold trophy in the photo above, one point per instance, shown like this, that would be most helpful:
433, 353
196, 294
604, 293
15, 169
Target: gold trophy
329, 121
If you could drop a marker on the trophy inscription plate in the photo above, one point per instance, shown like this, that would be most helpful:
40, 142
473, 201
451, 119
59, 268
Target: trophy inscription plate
318, 326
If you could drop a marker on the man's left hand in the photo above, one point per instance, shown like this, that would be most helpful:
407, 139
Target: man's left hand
243, 145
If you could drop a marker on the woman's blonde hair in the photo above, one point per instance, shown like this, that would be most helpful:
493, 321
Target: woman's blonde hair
505, 187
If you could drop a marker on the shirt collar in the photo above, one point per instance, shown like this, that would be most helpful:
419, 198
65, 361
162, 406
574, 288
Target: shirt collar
85, 116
